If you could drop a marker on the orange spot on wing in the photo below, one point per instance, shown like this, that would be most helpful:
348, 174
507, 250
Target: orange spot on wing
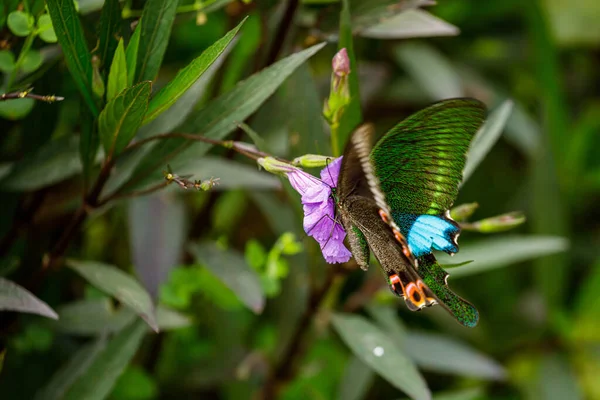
384, 216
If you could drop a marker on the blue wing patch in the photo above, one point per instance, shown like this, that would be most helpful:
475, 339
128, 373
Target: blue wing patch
424, 232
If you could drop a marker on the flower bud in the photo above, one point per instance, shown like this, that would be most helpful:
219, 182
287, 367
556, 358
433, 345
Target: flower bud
498, 223
312, 161
341, 63
462, 212
275, 166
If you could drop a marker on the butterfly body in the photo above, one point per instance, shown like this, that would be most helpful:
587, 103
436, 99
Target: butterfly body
393, 199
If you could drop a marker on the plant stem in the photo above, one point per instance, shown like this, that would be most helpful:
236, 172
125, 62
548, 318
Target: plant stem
24, 50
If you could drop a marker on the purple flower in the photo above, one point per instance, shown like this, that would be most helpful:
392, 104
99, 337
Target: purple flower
319, 216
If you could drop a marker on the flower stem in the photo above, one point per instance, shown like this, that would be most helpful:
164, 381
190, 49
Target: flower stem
24, 50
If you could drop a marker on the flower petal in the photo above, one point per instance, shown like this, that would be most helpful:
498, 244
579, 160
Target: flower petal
331, 172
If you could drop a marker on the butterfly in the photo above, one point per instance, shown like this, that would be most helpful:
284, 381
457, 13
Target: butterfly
393, 199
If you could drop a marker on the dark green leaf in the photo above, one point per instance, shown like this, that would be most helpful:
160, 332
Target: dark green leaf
158, 16
377, 350
20, 23
352, 115
221, 116
55, 161
15, 298
117, 77
97, 381
68, 374
185, 78
71, 38
443, 354
7, 61
110, 25
131, 54
122, 116
231, 268
92, 317
120, 285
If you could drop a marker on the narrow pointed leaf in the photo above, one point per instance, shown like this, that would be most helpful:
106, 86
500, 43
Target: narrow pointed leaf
16, 298
118, 284
442, 354
117, 77
234, 272
73, 370
110, 25
120, 120
69, 32
158, 17
98, 380
131, 53
486, 137
501, 251
376, 349
411, 24
185, 78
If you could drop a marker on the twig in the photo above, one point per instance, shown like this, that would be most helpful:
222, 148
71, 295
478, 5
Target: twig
27, 93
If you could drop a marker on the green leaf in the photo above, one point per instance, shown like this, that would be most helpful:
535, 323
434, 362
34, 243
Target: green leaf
46, 30
110, 26
16, 109
377, 350
486, 137
557, 380
72, 41
118, 284
501, 251
92, 317
231, 268
135, 384
185, 78
97, 381
122, 116
20, 23
131, 54
68, 374
356, 381
442, 354
352, 115
476, 393
158, 16
430, 69
221, 116
117, 77
410, 24
31, 61
16, 298
89, 144
7, 61
52, 163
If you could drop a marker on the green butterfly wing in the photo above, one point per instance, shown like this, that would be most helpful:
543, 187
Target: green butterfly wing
420, 161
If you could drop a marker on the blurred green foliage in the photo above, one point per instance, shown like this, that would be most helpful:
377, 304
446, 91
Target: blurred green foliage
246, 306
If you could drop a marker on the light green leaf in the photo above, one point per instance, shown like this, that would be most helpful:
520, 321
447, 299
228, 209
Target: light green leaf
16, 109
557, 380
16, 298
97, 381
52, 163
221, 116
486, 137
501, 251
117, 77
158, 16
118, 284
387, 318
7, 61
439, 353
45, 29
131, 54
430, 69
122, 116
70, 36
68, 374
20, 23
410, 24
169, 319
231, 268
377, 350
356, 381
185, 78
31, 61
